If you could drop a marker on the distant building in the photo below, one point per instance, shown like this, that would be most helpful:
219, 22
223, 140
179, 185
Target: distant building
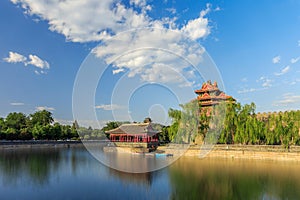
210, 95
134, 135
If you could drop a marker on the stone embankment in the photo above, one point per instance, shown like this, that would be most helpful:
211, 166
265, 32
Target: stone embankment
257, 152
42, 144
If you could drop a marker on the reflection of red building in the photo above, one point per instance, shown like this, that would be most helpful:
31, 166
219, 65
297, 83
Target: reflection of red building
134, 135
210, 95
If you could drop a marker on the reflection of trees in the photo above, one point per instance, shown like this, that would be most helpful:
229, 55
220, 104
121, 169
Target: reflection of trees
35, 164
208, 179
38, 164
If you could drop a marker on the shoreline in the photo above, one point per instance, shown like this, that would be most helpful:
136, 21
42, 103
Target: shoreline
249, 152
44, 144
233, 152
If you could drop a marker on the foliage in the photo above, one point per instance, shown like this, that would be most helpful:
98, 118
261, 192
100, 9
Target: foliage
40, 126
43, 118
235, 124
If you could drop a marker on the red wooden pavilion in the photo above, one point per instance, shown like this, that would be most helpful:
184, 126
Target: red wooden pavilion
135, 134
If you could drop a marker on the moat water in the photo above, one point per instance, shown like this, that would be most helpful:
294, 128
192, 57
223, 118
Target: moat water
72, 173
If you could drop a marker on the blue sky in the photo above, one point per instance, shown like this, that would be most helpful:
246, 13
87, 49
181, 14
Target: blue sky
45, 45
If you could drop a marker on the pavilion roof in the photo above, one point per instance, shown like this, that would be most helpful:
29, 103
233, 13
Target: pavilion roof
207, 96
134, 128
208, 87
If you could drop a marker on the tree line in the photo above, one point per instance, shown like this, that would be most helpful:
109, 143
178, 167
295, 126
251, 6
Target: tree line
239, 124
41, 126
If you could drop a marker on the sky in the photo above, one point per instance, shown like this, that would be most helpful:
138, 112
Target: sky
126, 60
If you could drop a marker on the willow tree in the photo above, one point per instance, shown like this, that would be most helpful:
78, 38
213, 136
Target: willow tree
188, 126
230, 124
173, 129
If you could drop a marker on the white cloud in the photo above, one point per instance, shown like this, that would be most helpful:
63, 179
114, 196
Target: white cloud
37, 62
142, 4
109, 107
288, 99
116, 71
94, 20
294, 60
247, 90
217, 8
85, 21
40, 108
15, 58
33, 60
276, 59
198, 28
157, 63
265, 82
283, 71
171, 10
17, 104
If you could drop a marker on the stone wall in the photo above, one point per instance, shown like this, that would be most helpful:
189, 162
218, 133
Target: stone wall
261, 152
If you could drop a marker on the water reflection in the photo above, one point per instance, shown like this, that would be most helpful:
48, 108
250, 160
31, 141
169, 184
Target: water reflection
139, 179
72, 173
30, 164
227, 179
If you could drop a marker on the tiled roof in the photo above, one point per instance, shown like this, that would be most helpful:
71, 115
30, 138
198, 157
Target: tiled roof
135, 128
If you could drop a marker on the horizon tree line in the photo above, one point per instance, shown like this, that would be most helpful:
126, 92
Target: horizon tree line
41, 126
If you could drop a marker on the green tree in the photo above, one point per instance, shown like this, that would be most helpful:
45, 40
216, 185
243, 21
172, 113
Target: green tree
2, 128
164, 136
43, 118
188, 123
111, 125
173, 129
56, 131
14, 122
230, 124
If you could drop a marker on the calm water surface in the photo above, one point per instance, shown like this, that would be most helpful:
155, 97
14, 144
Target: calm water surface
72, 173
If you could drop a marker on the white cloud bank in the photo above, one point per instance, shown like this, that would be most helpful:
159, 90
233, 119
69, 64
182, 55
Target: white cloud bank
33, 60
94, 20
108, 20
